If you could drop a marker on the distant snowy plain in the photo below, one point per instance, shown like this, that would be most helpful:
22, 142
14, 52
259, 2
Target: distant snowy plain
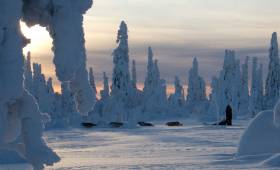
193, 146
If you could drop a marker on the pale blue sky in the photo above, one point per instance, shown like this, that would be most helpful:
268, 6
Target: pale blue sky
178, 30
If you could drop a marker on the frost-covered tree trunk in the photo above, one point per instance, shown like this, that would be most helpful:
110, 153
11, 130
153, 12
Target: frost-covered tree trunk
196, 97
272, 85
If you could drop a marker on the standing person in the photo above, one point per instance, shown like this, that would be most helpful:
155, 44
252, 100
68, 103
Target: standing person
228, 120
228, 115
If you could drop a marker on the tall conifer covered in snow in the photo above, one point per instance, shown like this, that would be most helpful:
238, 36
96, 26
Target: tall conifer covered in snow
228, 83
260, 88
92, 81
236, 89
214, 99
39, 88
50, 99
105, 93
177, 99
149, 78
121, 88
43, 91
196, 97
155, 99
244, 91
121, 77
272, 84
69, 113
101, 110
256, 97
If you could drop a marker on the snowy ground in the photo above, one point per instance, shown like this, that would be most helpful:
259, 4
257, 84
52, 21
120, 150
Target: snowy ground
192, 146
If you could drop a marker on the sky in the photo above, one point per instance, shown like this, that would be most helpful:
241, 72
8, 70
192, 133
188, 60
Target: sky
178, 30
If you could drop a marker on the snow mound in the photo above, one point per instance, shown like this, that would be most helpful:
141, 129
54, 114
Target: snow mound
10, 157
277, 115
273, 161
262, 135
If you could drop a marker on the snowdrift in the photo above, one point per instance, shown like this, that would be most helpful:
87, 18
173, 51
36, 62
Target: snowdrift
262, 137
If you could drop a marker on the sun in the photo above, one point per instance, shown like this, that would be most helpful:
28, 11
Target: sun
39, 36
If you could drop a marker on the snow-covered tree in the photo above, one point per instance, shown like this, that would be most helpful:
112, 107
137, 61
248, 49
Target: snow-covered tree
150, 77
40, 88
50, 96
244, 92
229, 83
196, 97
69, 113
260, 88
28, 73
177, 99
136, 95
21, 122
121, 89
49, 100
105, 93
272, 84
236, 89
155, 99
121, 78
92, 81
100, 112
43, 92
256, 97
134, 75
214, 100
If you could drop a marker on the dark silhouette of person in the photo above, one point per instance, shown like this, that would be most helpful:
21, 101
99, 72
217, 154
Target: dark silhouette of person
228, 120
228, 115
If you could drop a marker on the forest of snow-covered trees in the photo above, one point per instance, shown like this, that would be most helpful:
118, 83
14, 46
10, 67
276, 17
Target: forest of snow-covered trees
29, 105
122, 101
